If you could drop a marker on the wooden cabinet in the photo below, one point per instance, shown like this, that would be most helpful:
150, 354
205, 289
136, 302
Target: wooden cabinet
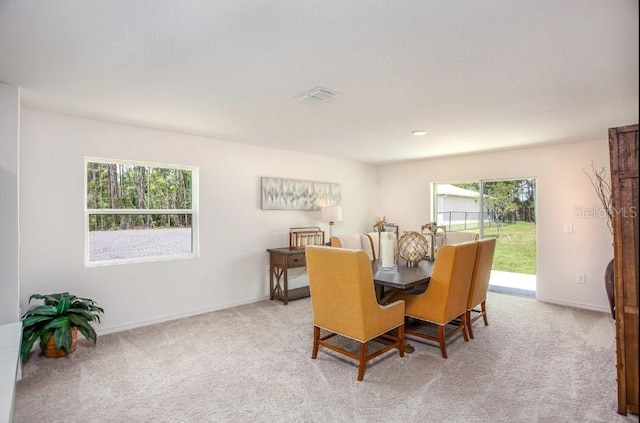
623, 151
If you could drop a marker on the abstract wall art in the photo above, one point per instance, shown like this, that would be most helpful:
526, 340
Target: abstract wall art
295, 194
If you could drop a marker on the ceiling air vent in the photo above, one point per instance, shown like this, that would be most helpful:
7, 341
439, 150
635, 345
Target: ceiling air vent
316, 96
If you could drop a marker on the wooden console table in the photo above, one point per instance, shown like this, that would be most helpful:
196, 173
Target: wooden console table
280, 260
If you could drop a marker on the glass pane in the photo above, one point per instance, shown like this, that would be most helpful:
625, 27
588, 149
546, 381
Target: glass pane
169, 188
121, 237
458, 206
117, 186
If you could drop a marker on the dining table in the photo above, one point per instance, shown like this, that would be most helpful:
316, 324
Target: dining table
405, 279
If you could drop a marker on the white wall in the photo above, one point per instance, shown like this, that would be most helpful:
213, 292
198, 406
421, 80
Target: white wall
9, 233
561, 188
234, 231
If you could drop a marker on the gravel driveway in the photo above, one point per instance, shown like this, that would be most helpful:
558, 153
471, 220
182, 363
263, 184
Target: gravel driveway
135, 243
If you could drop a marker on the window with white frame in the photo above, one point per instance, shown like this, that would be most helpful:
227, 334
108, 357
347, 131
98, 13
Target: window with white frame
139, 211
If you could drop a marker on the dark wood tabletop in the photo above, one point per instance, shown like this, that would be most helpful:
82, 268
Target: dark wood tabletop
405, 278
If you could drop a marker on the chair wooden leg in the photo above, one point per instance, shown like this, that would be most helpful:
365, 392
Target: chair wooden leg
363, 361
463, 326
469, 324
316, 337
401, 340
484, 313
441, 339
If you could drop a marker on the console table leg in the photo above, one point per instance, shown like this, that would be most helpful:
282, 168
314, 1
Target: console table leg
285, 294
271, 287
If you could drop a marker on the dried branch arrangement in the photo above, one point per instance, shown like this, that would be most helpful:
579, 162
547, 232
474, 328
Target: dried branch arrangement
603, 190
379, 221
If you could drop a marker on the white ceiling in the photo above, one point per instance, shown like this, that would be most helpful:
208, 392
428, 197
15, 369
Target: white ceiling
477, 75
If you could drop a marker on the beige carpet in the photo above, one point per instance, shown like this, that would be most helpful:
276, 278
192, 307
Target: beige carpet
536, 362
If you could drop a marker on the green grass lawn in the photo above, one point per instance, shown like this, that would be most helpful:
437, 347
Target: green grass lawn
516, 247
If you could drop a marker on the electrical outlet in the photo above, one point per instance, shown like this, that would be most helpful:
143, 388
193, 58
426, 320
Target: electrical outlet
581, 278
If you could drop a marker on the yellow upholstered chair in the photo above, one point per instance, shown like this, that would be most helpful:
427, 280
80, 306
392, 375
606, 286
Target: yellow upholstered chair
446, 297
373, 240
453, 237
355, 242
480, 282
343, 303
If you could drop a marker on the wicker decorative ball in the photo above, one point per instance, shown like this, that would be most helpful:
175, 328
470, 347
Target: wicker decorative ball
413, 247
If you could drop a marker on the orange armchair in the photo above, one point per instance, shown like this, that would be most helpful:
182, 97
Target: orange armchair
343, 303
446, 297
480, 282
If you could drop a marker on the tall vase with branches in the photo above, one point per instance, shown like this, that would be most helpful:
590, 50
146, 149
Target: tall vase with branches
598, 179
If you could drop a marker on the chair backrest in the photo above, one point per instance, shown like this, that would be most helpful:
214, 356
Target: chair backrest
481, 272
451, 280
373, 243
351, 241
354, 242
342, 292
453, 237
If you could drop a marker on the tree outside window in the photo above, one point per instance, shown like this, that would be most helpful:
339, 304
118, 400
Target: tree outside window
138, 211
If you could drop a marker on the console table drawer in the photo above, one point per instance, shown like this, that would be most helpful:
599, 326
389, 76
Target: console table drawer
296, 261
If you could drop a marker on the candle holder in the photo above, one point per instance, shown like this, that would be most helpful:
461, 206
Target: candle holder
436, 237
388, 247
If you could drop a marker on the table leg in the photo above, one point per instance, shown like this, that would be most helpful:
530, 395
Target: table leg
271, 287
379, 290
285, 294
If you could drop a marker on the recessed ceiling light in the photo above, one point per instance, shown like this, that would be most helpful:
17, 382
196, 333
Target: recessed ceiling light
419, 132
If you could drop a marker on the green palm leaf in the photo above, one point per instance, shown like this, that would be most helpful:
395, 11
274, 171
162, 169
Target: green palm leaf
63, 339
63, 304
41, 307
63, 322
27, 345
35, 320
85, 328
44, 310
84, 314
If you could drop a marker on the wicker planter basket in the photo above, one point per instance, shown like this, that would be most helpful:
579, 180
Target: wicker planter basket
53, 352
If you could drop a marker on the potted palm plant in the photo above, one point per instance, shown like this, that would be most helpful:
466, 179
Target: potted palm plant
57, 322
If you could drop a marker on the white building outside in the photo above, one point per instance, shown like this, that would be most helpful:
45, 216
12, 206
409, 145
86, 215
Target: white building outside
458, 206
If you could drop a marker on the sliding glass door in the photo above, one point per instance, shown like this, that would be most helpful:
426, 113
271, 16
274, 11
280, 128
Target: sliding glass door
503, 209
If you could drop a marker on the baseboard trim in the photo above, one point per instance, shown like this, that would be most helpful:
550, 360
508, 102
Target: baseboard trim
142, 323
574, 304
512, 291
133, 325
